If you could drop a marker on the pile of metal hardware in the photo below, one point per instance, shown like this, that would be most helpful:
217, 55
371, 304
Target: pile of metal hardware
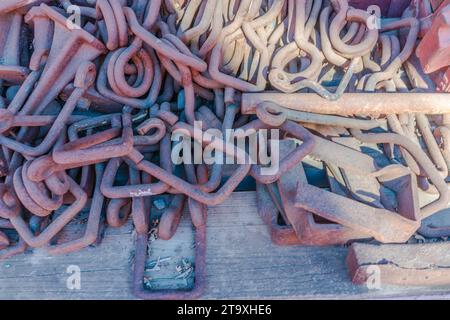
93, 92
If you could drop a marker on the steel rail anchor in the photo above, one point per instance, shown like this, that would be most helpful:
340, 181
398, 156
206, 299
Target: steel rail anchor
55, 226
117, 212
191, 190
93, 224
70, 48
142, 189
346, 13
65, 154
291, 159
159, 46
278, 77
44, 167
10, 121
127, 191
215, 176
114, 23
144, 103
35, 196
25, 198
117, 70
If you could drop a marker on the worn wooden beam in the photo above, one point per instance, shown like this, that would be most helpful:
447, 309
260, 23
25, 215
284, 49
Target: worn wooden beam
426, 264
241, 263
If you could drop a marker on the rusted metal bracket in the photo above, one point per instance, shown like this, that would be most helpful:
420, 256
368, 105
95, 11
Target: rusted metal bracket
308, 231
194, 191
434, 49
382, 224
93, 225
11, 45
55, 226
84, 78
63, 55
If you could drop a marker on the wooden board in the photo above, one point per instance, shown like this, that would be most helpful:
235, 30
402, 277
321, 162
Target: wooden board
241, 263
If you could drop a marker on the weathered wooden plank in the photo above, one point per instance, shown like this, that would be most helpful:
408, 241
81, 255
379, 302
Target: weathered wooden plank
411, 264
241, 263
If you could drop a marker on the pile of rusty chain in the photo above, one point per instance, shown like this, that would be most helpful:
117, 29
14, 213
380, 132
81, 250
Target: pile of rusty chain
93, 91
